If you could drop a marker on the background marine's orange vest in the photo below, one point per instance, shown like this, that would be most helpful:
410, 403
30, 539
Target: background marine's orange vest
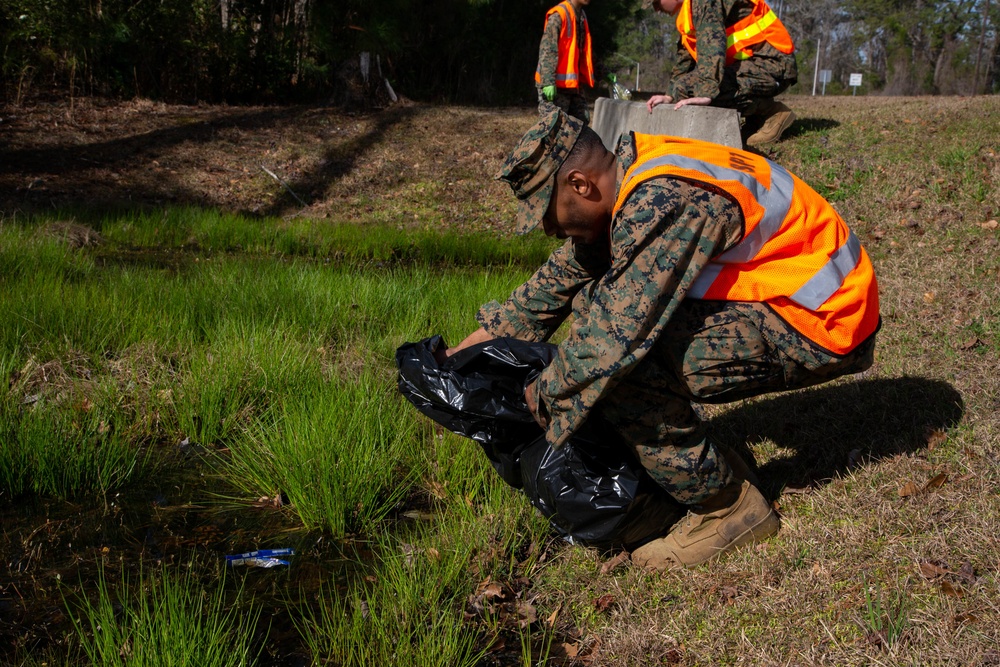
796, 254
762, 25
573, 65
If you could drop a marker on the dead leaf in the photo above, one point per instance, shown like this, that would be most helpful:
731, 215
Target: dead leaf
878, 639
990, 224
909, 489
527, 613
931, 570
962, 619
493, 590
570, 650
729, 593
929, 297
967, 573
951, 590
602, 603
935, 437
673, 657
935, 482
614, 562
971, 344
551, 620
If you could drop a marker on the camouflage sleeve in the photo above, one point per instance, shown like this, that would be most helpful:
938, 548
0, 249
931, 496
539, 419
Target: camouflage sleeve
536, 309
662, 238
683, 64
548, 51
709, 17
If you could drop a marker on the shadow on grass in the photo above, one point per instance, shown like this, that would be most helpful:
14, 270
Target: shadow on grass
832, 428
803, 126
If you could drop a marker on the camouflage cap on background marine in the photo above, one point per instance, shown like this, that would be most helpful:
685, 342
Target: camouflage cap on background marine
531, 167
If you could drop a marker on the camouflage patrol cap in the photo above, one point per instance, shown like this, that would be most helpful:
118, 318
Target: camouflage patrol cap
531, 167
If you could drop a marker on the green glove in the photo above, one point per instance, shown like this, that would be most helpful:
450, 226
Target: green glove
549, 92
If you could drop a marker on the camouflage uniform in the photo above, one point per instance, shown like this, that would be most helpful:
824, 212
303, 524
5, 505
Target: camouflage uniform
568, 99
636, 349
747, 85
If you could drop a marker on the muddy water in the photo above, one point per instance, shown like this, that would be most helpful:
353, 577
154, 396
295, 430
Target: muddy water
54, 550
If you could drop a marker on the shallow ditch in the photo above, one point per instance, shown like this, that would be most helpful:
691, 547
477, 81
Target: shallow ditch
53, 551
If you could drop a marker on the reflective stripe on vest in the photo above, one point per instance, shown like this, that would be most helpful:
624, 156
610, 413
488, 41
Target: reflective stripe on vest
762, 25
825, 288
569, 70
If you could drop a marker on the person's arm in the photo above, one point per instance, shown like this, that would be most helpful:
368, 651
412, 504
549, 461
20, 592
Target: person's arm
535, 310
663, 237
548, 51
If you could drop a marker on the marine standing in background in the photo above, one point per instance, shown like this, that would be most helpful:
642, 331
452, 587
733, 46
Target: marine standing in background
734, 54
565, 60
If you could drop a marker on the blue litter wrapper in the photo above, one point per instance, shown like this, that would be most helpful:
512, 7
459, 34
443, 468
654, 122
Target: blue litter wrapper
263, 558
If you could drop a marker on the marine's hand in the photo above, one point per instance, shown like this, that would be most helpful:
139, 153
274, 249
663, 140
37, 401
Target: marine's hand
700, 101
656, 100
536, 407
480, 335
549, 92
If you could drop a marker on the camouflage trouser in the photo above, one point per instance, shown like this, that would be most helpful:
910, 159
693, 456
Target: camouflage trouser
716, 352
749, 87
572, 103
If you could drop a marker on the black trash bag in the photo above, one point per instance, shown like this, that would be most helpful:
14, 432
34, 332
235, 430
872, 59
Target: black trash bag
593, 489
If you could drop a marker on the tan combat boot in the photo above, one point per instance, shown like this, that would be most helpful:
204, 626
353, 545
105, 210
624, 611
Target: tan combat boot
737, 515
777, 119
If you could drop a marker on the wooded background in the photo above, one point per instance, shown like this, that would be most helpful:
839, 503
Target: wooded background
456, 51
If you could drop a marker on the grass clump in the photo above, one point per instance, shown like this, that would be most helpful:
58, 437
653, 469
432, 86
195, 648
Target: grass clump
162, 618
338, 452
411, 613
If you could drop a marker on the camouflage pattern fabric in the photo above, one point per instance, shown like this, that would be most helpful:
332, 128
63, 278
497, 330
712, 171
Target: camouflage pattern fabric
530, 169
570, 102
638, 351
766, 74
568, 99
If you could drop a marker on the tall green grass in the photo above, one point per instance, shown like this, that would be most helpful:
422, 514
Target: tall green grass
207, 231
340, 452
162, 618
409, 615
238, 351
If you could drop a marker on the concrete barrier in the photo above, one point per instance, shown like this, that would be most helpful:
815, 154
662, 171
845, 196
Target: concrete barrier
612, 117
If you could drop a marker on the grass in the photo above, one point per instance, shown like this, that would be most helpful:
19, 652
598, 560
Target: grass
410, 614
267, 343
162, 618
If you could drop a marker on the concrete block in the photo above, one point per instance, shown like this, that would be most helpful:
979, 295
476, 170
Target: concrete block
612, 117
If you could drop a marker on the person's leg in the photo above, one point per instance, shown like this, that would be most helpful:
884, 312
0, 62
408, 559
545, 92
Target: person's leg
578, 107
717, 352
755, 83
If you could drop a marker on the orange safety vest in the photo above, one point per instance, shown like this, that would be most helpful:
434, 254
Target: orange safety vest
569, 70
796, 255
762, 25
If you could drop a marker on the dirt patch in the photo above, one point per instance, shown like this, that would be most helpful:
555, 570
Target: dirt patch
410, 164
